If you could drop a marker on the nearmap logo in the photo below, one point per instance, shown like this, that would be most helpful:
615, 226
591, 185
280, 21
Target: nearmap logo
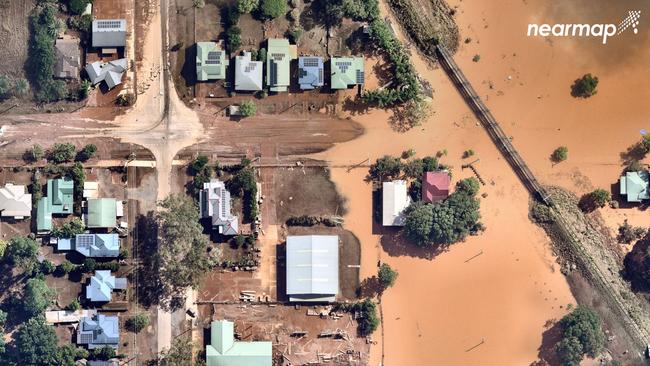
587, 30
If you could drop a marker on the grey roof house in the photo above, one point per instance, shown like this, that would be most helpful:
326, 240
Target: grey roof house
109, 33
99, 331
312, 268
101, 286
15, 202
111, 72
248, 73
68, 58
310, 72
635, 186
92, 245
214, 203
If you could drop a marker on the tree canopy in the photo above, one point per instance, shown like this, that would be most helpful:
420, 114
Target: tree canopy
585, 87
582, 334
247, 6
38, 296
560, 154
61, 153
272, 9
180, 353
23, 252
36, 344
387, 276
248, 108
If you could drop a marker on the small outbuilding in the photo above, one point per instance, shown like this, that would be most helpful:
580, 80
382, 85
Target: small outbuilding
395, 201
109, 33
634, 185
312, 268
435, 186
68, 58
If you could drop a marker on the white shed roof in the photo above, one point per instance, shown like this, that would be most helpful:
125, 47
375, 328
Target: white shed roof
395, 201
312, 267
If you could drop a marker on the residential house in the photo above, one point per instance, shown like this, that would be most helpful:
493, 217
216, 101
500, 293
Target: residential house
101, 286
395, 201
312, 268
59, 201
101, 213
99, 331
109, 33
224, 350
248, 73
310, 72
634, 185
15, 202
110, 72
346, 72
68, 58
214, 203
435, 186
278, 64
92, 245
211, 61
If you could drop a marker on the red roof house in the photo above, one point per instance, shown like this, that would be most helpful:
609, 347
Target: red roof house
435, 186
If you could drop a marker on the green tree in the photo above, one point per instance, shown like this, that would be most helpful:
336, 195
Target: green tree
89, 265
582, 334
103, 353
369, 320
182, 248
78, 6
179, 354
21, 87
137, 323
248, 108
233, 38
470, 186
560, 154
5, 86
3, 248
414, 168
34, 154
47, 267
272, 9
69, 229
199, 4
36, 344
585, 87
600, 197
419, 222
65, 267
38, 296
429, 164
61, 153
23, 252
387, 276
261, 56
386, 167
247, 6
86, 152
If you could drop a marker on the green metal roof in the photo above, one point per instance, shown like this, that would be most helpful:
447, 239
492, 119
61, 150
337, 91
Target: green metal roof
43, 216
60, 195
278, 60
225, 351
102, 213
211, 61
635, 186
346, 71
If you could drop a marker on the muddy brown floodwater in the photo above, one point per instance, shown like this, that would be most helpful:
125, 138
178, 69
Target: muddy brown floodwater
488, 300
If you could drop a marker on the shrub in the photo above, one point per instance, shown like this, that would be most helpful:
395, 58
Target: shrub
560, 154
110, 266
78, 6
272, 9
540, 213
601, 197
585, 87
61, 153
628, 233
82, 23
47, 267
261, 55
177, 47
387, 276
476, 58
65, 268
89, 265
83, 90
247, 6
233, 38
69, 229
104, 353
294, 34
198, 3
74, 305
407, 154
5, 86
248, 108
34, 154
125, 100
86, 152
137, 323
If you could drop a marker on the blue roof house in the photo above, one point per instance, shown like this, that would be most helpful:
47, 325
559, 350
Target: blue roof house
99, 331
93, 245
101, 286
310, 72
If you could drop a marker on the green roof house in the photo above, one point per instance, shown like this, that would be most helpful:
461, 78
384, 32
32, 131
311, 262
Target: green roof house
102, 213
60, 195
634, 185
278, 60
225, 351
211, 61
346, 72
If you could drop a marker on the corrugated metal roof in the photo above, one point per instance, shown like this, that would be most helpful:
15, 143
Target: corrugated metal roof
211, 61
312, 266
346, 71
102, 213
248, 73
109, 33
395, 201
278, 64
225, 351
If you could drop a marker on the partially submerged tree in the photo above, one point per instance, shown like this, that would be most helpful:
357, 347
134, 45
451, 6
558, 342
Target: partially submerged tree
585, 87
387, 276
560, 154
582, 335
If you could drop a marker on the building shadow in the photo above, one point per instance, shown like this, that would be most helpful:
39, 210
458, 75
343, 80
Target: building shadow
281, 273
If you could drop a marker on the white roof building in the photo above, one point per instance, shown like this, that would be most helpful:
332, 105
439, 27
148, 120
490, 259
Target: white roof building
312, 268
214, 202
15, 201
101, 286
111, 72
395, 201
248, 73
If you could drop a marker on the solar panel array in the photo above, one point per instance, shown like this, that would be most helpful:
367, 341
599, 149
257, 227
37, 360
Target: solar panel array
86, 338
360, 77
250, 67
108, 24
84, 241
343, 65
310, 62
274, 73
214, 58
277, 56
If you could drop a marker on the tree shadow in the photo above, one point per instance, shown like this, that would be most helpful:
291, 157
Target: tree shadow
188, 72
636, 266
397, 245
633, 154
546, 351
370, 287
355, 106
150, 288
